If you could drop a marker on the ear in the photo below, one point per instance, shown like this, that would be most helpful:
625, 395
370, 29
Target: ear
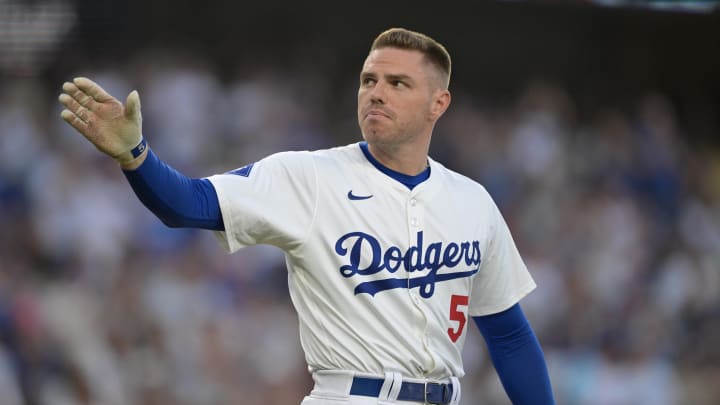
440, 103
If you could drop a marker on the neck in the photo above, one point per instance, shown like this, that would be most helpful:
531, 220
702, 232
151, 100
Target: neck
405, 159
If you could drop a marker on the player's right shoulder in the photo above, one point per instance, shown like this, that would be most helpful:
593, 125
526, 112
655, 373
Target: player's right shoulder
288, 156
294, 163
289, 159
337, 152
346, 154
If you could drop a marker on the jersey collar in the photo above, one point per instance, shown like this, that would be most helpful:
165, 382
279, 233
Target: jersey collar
407, 180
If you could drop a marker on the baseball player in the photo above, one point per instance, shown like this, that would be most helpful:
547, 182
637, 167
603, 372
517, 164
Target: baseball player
389, 253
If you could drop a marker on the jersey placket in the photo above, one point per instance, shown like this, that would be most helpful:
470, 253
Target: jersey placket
415, 223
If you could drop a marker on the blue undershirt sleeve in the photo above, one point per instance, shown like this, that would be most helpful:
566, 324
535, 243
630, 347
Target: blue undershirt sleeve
517, 356
177, 200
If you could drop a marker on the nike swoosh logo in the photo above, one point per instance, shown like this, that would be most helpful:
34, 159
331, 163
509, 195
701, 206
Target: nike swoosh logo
358, 197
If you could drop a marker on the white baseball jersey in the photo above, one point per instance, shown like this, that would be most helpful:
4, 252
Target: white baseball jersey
382, 277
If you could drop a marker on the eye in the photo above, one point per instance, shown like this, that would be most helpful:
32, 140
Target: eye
367, 81
398, 83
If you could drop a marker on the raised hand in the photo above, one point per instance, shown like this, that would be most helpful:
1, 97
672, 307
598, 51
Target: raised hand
114, 128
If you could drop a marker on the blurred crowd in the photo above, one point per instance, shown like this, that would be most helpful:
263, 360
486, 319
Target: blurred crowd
615, 210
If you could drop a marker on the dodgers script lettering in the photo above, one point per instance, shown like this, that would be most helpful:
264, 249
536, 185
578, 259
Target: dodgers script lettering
418, 257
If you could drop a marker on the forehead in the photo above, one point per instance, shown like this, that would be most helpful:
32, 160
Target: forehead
396, 61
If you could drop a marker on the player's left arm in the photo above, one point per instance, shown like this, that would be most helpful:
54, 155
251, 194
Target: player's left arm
517, 356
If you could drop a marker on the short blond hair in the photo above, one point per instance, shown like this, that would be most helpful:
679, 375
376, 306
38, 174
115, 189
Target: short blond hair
434, 52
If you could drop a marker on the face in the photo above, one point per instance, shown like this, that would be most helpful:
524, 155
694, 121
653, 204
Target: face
400, 97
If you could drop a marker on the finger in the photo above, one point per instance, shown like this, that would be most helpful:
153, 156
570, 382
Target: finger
132, 105
73, 106
80, 96
74, 121
93, 89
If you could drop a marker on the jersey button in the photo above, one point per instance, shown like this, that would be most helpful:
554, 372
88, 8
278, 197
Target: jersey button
413, 202
414, 221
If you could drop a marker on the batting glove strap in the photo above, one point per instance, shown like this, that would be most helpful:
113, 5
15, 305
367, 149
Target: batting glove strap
139, 149
127, 159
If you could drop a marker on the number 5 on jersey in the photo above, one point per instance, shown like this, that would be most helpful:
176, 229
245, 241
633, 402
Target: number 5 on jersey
457, 315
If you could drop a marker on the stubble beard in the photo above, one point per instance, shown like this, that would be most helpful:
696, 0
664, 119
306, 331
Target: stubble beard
381, 136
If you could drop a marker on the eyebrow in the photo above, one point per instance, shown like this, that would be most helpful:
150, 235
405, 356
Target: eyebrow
389, 77
400, 77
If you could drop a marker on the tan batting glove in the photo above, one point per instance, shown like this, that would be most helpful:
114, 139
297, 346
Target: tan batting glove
114, 129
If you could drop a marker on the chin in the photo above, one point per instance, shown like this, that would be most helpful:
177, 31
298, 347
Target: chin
374, 136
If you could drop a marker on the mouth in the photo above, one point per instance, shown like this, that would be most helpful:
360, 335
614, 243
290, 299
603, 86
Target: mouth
375, 112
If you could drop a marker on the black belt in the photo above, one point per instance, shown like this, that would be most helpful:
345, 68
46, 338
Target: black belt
429, 393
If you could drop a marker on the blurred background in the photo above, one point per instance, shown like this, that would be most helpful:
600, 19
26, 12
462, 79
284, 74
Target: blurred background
594, 125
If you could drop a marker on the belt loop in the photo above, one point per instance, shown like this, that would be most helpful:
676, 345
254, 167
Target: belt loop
390, 388
455, 400
397, 385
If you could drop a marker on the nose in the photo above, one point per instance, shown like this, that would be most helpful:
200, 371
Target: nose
377, 94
